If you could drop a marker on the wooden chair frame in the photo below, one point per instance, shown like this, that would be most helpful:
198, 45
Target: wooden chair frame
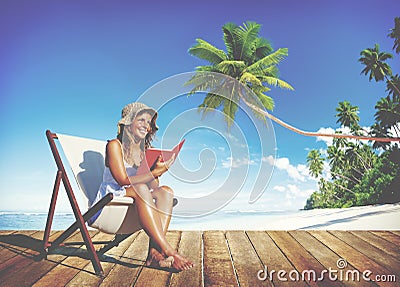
81, 219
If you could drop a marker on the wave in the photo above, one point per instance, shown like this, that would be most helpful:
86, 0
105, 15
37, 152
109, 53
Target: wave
23, 213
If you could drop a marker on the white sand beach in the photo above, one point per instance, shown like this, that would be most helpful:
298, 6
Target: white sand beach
373, 217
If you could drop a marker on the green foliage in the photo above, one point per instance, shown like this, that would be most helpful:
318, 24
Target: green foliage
395, 35
362, 174
378, 185
374, 62
347, 115
248, 59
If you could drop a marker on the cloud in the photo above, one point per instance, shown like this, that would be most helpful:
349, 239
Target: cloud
299, 172
344, 130
279, 188
293, 192
327, 140
237, 162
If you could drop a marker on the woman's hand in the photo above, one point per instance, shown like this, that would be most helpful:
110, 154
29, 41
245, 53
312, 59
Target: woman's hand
161, 167
154, 183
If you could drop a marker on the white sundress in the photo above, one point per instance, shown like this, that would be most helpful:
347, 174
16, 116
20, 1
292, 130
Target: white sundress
110, 185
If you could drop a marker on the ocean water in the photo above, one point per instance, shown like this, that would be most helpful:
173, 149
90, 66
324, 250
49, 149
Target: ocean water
14, 220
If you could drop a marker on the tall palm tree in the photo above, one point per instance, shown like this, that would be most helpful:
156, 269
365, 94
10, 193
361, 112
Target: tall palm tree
315, 162
336, 158
388, 114
395, 34
347, 115
393, 87
375, 65
340, 142
378, 131
251, 63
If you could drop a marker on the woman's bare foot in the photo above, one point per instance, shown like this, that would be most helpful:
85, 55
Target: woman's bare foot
156, 259
180, 262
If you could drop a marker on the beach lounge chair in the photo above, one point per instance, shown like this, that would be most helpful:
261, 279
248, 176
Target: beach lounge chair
113, 215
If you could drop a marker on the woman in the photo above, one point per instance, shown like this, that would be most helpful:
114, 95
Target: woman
124, 154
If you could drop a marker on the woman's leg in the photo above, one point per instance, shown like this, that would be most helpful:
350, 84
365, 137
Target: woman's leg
163, 197
150, 219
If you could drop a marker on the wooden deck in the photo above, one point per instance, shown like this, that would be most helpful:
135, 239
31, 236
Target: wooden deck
222, 258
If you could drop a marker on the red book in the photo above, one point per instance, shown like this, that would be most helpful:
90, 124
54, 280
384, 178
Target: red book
152, 154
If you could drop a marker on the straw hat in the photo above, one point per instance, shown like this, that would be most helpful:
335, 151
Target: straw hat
130, 111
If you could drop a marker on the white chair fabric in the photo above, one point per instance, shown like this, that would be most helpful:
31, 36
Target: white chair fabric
86, 159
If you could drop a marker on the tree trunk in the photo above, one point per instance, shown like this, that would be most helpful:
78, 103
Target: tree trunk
314, 134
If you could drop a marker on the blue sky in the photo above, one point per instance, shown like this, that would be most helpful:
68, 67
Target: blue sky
70, 66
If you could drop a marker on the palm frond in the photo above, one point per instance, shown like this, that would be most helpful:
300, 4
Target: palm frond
266, 101
210, 103
203, 81
271, 71
230, 39
250, 78
272, 81
262, 48
246, 36
205, 69
395, 35
231, 68
208, 52
393, 87
272, 59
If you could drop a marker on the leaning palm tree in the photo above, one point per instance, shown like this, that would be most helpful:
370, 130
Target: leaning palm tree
251, 65
249, 59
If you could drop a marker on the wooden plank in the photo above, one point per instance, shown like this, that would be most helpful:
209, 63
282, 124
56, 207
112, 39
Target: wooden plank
87, 276
397, 232
25, 257
301, 259
218, 268
69, 266
13, 244
155, 277
190, 246
272, 259
386, 246
125, 274
389, 236
369, 250
4, 234
245, 259
325, 256
36, 269
357, 259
